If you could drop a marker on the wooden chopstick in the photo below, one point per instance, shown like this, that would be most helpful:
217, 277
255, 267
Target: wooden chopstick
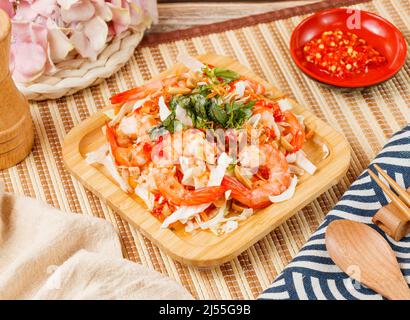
394, 198
404, 196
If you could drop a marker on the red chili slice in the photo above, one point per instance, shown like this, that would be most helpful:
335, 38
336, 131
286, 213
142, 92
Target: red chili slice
342, 54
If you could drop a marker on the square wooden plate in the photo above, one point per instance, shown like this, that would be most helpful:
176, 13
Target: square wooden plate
204, 248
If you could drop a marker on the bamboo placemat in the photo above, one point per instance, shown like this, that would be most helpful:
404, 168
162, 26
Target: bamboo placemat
366, 117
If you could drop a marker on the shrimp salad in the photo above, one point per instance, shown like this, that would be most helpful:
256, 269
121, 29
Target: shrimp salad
202, 149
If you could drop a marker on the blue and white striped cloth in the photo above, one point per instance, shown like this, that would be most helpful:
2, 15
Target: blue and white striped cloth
312, 274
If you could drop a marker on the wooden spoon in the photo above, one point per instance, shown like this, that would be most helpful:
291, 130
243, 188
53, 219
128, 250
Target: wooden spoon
363, 254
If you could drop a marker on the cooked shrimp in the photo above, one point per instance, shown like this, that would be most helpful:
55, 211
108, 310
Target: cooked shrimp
137, 93
261, 106
256, 87
133, 156
293, 125
184, 81
136, 125
296, 129
174, 191
277, 182
251, 87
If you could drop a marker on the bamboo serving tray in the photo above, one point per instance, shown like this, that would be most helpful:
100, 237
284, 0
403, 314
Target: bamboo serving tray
204, 248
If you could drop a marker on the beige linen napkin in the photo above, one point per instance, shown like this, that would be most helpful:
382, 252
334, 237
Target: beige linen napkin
49, 254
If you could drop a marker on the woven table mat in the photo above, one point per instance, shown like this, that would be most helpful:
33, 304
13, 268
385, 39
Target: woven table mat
366, 117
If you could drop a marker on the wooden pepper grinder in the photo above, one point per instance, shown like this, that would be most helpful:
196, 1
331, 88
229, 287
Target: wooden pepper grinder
16, 128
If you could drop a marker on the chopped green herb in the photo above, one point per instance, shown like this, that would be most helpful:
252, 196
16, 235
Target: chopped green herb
218, 114
208, 113
227, 75
199, 104
221, 73
238, 113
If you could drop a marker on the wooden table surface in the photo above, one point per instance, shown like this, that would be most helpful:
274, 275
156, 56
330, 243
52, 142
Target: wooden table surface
175, 15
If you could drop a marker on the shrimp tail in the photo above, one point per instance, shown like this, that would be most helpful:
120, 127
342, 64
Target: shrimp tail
233, 184
119, 157
177, 194
111, 138
242, 194
299, 137
133, 94
137, 93
238, 191
203, 195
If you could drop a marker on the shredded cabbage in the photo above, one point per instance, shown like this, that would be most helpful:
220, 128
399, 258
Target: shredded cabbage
190, 62
270, 121
129, 125
227, 194
181, 115
285, 105
240, 87
220, 224
127, 107
148, 198
324, 146
164, 112
254, 119
291, 157
212, 223
304, 162
109, 113
103, 157
183, 214
190, 226
286, 195
245, 214
138, 104
229, 226
218, 172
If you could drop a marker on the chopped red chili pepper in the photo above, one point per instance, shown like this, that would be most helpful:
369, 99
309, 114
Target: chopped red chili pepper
264, 172
342, 54
276, 111
147, 148
162, 207
157, 210
179, 175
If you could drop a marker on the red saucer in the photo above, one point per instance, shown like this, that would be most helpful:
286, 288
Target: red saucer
377, 31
